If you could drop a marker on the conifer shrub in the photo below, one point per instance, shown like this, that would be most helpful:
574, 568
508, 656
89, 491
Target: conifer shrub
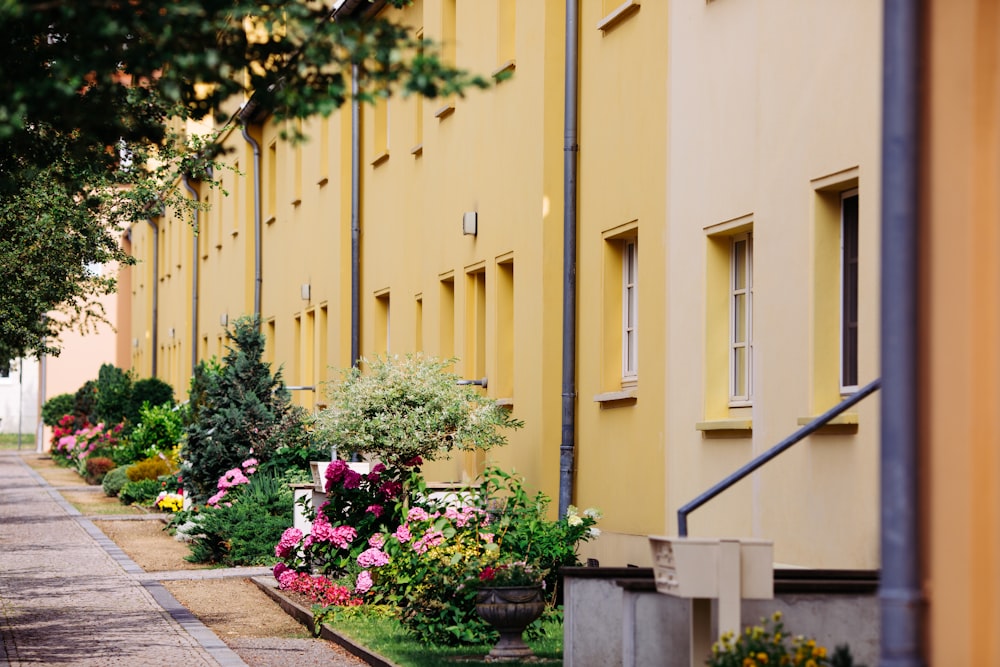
244, 528
153, 391
114, 480
114, 391
242, 411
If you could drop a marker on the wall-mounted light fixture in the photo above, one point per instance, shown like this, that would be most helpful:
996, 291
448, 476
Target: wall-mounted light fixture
305, 291
135, 342
171, 332
479, 383
223, 319
470, 223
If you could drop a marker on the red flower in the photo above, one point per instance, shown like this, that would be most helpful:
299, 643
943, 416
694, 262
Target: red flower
487, 574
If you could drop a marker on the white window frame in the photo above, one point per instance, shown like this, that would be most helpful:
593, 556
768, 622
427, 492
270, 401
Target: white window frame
846, 389
737, 399
630, 311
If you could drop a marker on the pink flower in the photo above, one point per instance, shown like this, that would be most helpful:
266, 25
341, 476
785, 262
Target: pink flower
374, 509
289, 540
352, 479
402, 533
376, 540
430, 539
417, 514
214, 500
363, 583
334, 473
373, 558
343, 536
232, 478
390, 489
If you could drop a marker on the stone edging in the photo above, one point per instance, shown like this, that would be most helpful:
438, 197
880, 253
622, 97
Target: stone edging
305, 617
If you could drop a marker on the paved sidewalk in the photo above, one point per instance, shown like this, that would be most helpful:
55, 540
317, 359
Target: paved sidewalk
70, 596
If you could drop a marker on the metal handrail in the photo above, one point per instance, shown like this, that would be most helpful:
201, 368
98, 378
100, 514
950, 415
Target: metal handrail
806, 430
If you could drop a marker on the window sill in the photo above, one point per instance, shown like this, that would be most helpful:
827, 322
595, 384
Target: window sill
726, 427
417, 150
611, 399
618, 14
843, 424
297, 201
503, 71
505, 402
270, 220
445, 111
323, 181
380, 158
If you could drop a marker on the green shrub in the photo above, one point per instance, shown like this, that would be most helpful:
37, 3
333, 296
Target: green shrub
56, 407
96, 468
141, 492
245, 529
114, 480
85, 404
148, 390
159, 430
151, 468
114, 391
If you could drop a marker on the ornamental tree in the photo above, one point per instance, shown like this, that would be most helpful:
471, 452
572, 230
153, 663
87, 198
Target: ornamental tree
408, 407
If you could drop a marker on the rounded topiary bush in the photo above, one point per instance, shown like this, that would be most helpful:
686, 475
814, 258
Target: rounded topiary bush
114, 480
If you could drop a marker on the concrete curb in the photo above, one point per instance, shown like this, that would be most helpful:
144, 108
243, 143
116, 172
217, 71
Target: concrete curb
305, 617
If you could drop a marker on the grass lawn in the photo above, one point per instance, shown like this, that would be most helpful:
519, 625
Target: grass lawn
9, 441
385, 636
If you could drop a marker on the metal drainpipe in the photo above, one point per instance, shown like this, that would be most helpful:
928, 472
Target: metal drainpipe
257, 277
571, 149
355, 219
156, 291
899, 591
194, 275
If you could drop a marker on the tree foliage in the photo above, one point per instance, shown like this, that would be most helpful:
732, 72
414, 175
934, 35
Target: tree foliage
86, 93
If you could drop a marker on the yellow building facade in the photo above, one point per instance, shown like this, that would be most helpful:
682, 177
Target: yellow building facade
719, 146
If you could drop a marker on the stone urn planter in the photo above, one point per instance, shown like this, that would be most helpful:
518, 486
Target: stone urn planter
510, 610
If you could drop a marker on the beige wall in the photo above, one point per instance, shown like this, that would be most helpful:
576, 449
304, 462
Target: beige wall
770, 103
960, 324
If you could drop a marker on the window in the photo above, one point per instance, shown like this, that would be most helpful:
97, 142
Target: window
380, 130
475, 323
5, 370
271, 183
849, 291
446, 323
506, 33
741, 321
383, 341
620, 314
504, 382
835, 289
630, 311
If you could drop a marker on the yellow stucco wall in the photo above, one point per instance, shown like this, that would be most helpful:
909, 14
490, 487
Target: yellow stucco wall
696, 119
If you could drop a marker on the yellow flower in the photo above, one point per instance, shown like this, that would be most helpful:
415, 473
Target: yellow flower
776, 616
749, 662
811, 663
762, 658
819, 652
777, 637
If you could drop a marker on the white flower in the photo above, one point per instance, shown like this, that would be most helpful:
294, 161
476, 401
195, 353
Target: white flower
594, 531
592, 512
574, 520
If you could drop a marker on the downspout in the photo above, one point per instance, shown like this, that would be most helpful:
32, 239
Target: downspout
355, 219
571, 149
257, 277
900, 595
194, 274
156, 291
